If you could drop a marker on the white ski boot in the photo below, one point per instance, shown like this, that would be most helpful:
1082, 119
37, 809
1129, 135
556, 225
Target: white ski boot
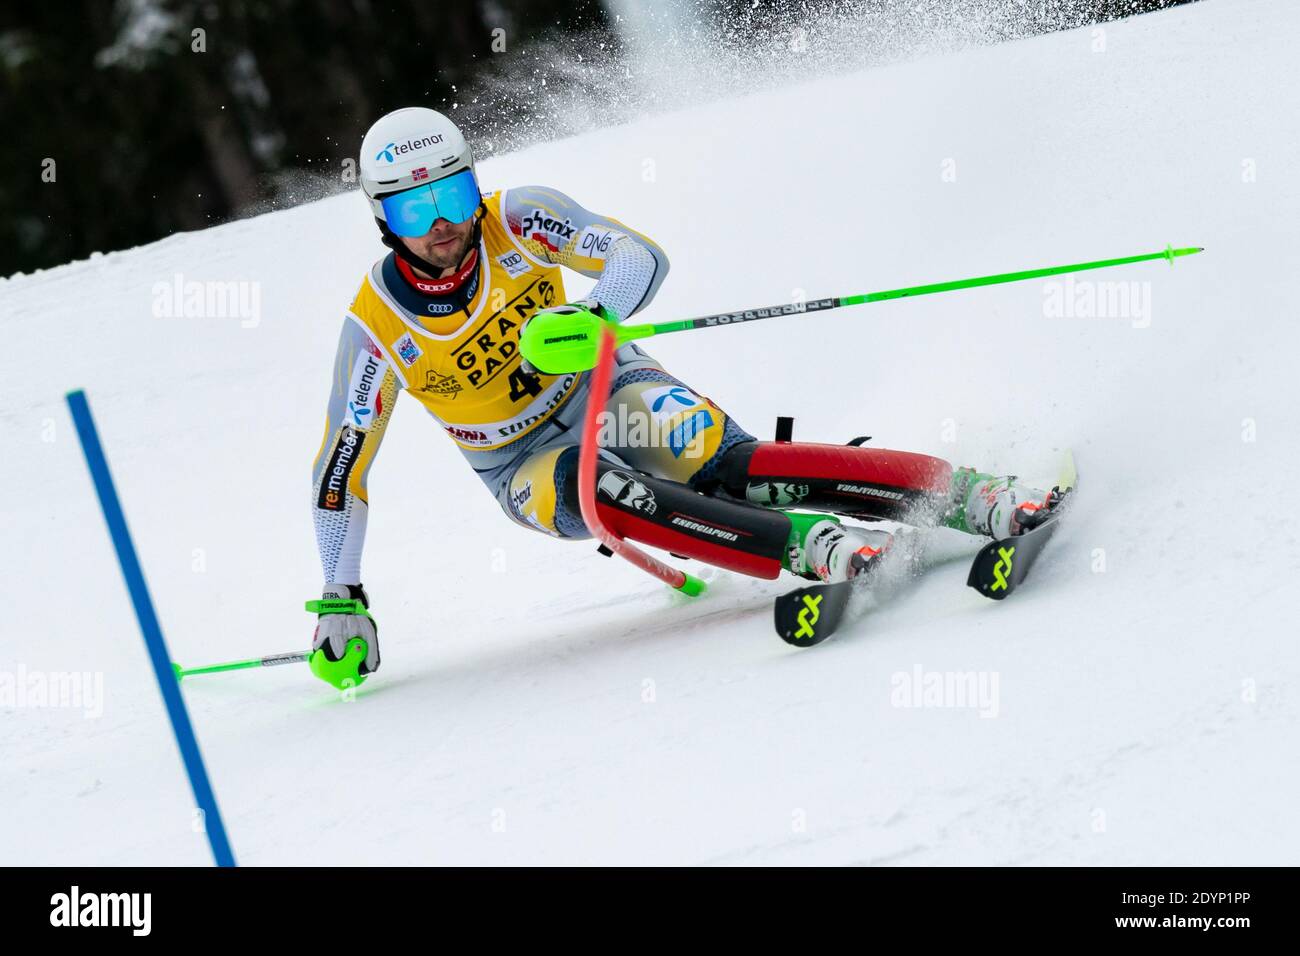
997, 506
822, 549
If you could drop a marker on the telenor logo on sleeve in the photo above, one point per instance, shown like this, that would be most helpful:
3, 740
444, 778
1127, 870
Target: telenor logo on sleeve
365, 400
103, 909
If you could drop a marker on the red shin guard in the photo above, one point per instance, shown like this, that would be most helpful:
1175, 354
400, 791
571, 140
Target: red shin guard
845, 479
667, 515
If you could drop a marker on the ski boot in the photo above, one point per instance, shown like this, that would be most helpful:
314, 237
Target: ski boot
998, 507
824, 550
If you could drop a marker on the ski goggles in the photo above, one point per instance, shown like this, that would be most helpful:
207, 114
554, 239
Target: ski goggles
413, 212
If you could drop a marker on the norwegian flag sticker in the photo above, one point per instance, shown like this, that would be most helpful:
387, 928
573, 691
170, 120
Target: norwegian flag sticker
420, 172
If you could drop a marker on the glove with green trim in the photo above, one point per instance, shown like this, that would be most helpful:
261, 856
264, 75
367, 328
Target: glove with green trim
346, 643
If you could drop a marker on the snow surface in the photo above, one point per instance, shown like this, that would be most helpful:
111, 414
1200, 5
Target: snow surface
541, 704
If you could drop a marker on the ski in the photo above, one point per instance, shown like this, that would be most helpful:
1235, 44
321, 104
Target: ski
808, 615
1001, 566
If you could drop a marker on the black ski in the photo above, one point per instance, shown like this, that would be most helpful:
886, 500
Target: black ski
1000, 566
808, 616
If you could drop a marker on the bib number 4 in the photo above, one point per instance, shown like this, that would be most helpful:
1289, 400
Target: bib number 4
524, 385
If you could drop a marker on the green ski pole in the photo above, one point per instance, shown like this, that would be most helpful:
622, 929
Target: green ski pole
556, 343
342, 673
271, 660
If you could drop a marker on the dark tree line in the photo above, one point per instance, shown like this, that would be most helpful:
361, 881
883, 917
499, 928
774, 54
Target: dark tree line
152, 127
126, 120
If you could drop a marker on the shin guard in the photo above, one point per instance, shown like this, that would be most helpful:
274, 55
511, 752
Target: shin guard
842, 479
668, 515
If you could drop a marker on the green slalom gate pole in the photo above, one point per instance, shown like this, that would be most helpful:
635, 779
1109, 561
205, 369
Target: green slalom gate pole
555, 343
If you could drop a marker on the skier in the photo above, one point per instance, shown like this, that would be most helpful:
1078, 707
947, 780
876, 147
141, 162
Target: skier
440, 316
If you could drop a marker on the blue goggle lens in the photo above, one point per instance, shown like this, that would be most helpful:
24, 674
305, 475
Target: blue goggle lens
414, 211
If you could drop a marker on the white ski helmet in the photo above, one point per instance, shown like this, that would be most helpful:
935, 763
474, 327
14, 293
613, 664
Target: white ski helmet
411, 147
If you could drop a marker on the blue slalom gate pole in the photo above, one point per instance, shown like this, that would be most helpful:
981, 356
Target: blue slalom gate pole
153, 638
